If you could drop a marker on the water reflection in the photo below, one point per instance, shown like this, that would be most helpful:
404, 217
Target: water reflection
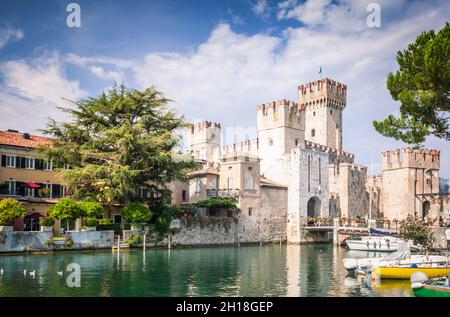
309, 270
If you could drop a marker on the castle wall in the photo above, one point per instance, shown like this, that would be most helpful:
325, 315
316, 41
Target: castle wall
203, 139
323, 102
280, 128
410, 181
348, 181
308, 180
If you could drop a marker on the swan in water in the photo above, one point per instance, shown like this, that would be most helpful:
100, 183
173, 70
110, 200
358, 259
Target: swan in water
2, 271
33, 273
25, 272
60, 273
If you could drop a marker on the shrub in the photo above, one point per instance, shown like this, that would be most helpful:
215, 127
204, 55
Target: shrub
91, 222
46, 221
105, 221
10, 210
134, 239
49, 243
69, 243
116, 227
136, 213
418, 231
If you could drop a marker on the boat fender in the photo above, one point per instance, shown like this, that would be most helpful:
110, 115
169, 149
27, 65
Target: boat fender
416, 285
414, 266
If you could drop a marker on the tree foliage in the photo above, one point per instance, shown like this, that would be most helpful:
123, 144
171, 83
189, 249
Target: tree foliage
422, 86
10, 210
65, 209
418, 231
118, 143
216, 203
91, 209
136, 213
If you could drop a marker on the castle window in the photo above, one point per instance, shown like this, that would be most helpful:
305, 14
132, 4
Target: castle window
250, 209
313, 133
270, 142
250, 182
229, 183
213, 136
183, 195
320, 174
296, 142
198, 185
309, 173
314, 113
250, 168
331, 111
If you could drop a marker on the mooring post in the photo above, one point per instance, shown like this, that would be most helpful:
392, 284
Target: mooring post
118, 243
144, 241
335, 231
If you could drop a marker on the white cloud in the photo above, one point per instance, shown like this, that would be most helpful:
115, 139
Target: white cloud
10, 35
261, 9
230, 73
31, 91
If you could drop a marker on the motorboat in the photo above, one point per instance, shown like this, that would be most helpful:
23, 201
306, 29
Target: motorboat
402, 257
373, 243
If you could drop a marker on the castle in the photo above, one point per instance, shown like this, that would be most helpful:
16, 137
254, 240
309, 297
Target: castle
296, 168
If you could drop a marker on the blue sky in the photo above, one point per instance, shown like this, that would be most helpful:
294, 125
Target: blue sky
216, 59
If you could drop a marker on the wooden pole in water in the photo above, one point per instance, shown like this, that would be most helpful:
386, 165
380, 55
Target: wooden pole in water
118, 243
144, 241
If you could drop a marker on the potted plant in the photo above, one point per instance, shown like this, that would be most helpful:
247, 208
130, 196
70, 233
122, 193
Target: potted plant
46, 224
90, 224
10, 210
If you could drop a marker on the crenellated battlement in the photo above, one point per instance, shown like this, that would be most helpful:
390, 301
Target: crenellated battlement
322, 93
282, 113
244, 147
410, 158
199, 126
327, 149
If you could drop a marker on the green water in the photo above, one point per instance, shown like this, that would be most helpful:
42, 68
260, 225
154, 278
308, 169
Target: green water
309, 270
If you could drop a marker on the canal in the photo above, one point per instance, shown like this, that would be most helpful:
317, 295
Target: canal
273, 270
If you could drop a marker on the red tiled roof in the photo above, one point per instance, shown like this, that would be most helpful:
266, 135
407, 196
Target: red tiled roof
17, 139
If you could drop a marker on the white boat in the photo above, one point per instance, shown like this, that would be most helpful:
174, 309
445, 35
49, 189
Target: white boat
399, 258
381, 244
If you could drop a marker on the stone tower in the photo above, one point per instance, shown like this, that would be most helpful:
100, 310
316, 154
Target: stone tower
280, 129
410, 182
323, 102
203, 140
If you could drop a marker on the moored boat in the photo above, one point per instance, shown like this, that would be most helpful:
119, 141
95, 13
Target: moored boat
403, 272
422, 286
433, 289
381, 244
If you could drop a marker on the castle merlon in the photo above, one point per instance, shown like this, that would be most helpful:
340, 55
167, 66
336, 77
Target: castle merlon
327, 149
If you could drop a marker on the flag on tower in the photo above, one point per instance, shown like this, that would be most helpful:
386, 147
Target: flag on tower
320, 70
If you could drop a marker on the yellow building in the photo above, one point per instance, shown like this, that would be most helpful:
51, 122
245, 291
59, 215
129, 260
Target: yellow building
26, 176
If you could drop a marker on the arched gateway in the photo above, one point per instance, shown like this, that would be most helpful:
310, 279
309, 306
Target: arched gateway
313, 207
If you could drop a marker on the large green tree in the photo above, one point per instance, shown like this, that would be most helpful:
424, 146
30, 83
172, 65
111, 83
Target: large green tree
422, 86
118, 144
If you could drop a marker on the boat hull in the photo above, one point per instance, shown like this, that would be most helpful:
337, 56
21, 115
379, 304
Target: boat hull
406, 272
373, 245
431, 291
